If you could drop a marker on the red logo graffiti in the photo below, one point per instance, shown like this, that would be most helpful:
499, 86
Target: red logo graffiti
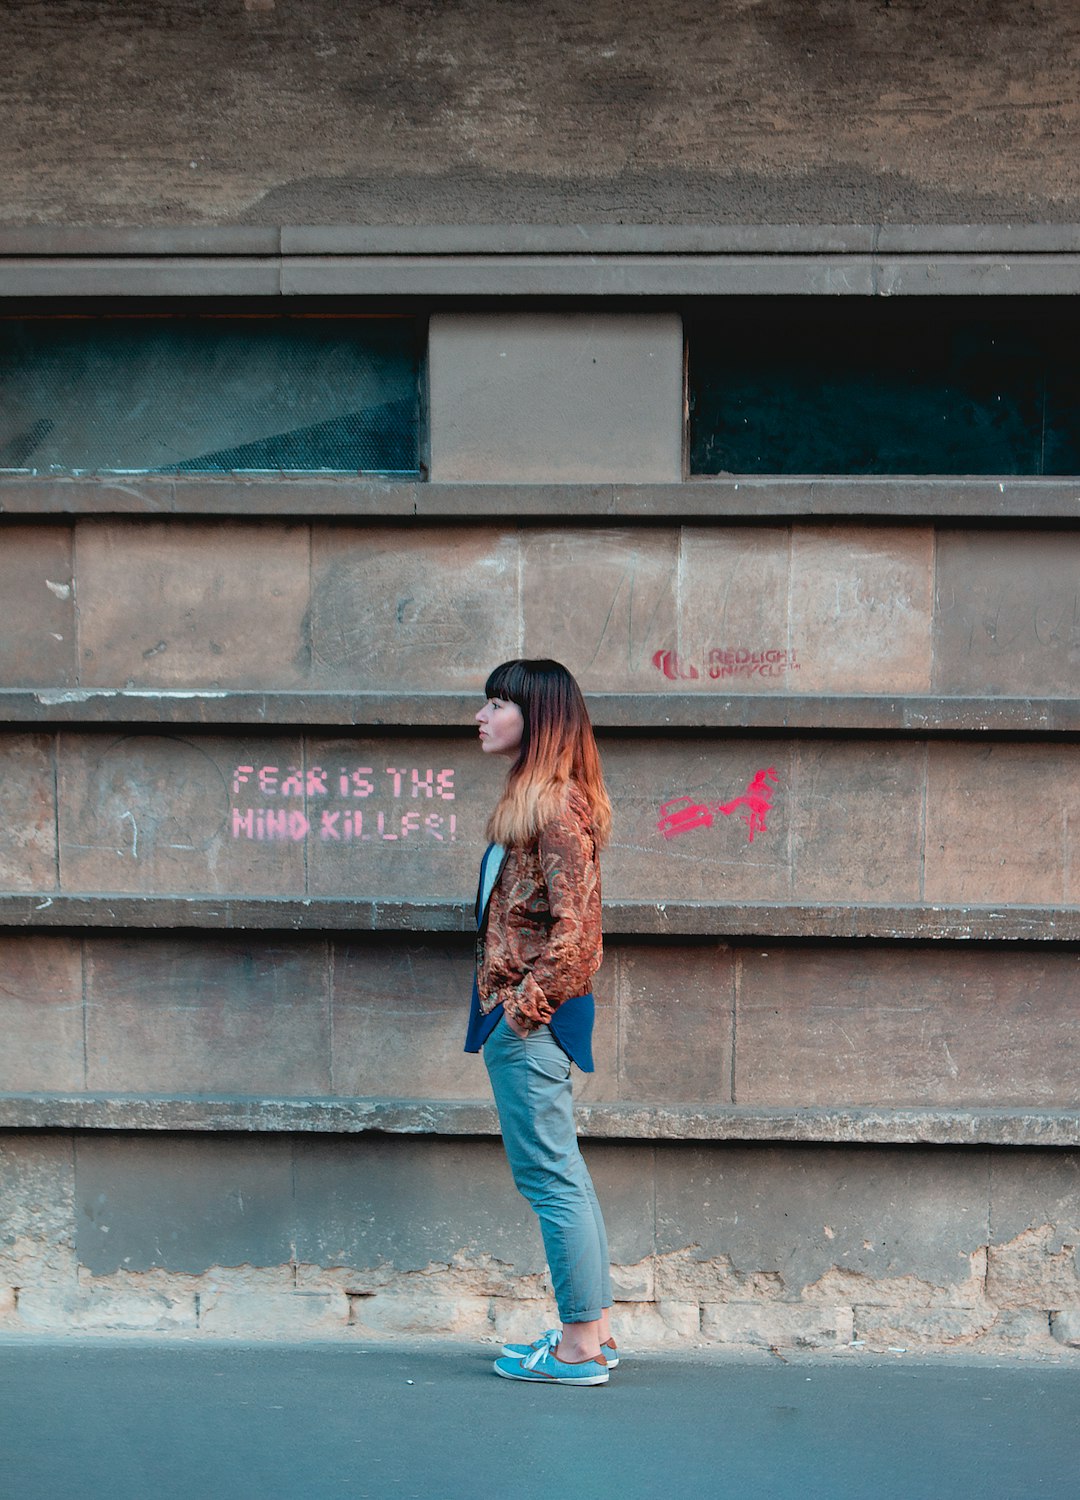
668, 662
682, 815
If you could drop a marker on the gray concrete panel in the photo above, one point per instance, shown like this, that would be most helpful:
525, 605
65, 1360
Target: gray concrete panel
208, 1015
41, 1013
1007, 613
602, 602
990, 836
797, 1215
189, 605
413, 609
676, 1022
576, 397
28, 838
410, 1205
856, 831
141, 812
37, 606
918, 1027
399, 1011
182, 1204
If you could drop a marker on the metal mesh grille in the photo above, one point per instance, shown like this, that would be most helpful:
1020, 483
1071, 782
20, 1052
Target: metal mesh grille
209, 394
871, 386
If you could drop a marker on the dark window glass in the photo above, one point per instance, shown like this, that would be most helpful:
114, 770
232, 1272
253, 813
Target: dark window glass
859, 386
156, 393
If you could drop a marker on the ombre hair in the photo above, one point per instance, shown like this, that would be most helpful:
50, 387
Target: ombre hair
557, 747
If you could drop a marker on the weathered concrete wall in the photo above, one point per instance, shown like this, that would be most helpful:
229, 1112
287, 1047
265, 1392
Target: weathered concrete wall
306, 111
694, 1023
762, 819
703, 609
732, 1244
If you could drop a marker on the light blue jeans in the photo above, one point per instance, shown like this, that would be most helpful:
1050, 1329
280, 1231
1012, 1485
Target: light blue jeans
530, 1078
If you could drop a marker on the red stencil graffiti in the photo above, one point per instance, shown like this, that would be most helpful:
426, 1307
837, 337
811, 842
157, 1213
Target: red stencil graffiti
682, 814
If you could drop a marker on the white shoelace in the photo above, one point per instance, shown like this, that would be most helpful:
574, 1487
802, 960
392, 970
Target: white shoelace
548, 1341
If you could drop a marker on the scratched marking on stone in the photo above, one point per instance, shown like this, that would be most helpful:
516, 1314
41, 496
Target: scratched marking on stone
682, 815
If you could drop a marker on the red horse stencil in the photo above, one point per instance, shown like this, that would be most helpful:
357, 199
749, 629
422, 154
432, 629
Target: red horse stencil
682, 814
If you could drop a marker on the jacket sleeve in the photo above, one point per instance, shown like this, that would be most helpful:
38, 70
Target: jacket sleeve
570, 956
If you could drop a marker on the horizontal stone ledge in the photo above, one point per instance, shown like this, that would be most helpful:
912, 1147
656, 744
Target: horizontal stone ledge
623, 1120
709, 706
640, 271
664, 919
981, 498
516, 239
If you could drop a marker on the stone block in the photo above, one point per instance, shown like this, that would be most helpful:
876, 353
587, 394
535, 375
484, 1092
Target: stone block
1006, 617
397, 1029
998, 822
28, 859
37, 1209
1033, 1258
603, 602
105, 1309
401, 819
911, 1025
177, 604
908, 1326
1020, 1328
183, 1203
235, 1313
208, 1015
783, 1325
175, 813
634, 1283
41, 1013
641, 1325
675, 1023
7, 1303
1065, 1327
681, 830
733, 614
37, 607
857, 826
520, 1321
387, 1312
861, 603
557, 397
1035, 1269
429, 608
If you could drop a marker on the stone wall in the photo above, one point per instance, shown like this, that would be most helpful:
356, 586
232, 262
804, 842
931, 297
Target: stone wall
307, 111
776, 1246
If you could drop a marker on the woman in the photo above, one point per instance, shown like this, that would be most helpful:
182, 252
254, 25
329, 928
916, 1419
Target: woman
538, 946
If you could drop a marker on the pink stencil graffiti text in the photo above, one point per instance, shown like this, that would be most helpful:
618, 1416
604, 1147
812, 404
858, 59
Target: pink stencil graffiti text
726, 662
397, 786
682, 814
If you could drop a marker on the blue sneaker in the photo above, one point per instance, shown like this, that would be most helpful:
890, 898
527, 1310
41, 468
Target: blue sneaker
542, 1364
550, 1339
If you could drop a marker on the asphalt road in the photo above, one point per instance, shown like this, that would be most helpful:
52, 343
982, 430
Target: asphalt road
137, 1420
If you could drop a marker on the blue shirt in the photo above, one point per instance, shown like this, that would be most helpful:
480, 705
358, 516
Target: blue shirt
571, 1023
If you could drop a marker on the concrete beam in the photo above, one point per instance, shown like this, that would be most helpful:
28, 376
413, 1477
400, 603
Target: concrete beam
732, 919
867, 1125
946, 498
913, 714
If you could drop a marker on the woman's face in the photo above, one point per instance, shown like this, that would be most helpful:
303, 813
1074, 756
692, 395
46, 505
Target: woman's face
501, 727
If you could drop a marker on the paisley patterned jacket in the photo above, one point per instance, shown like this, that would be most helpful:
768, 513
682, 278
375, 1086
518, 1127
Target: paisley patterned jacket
539, 943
